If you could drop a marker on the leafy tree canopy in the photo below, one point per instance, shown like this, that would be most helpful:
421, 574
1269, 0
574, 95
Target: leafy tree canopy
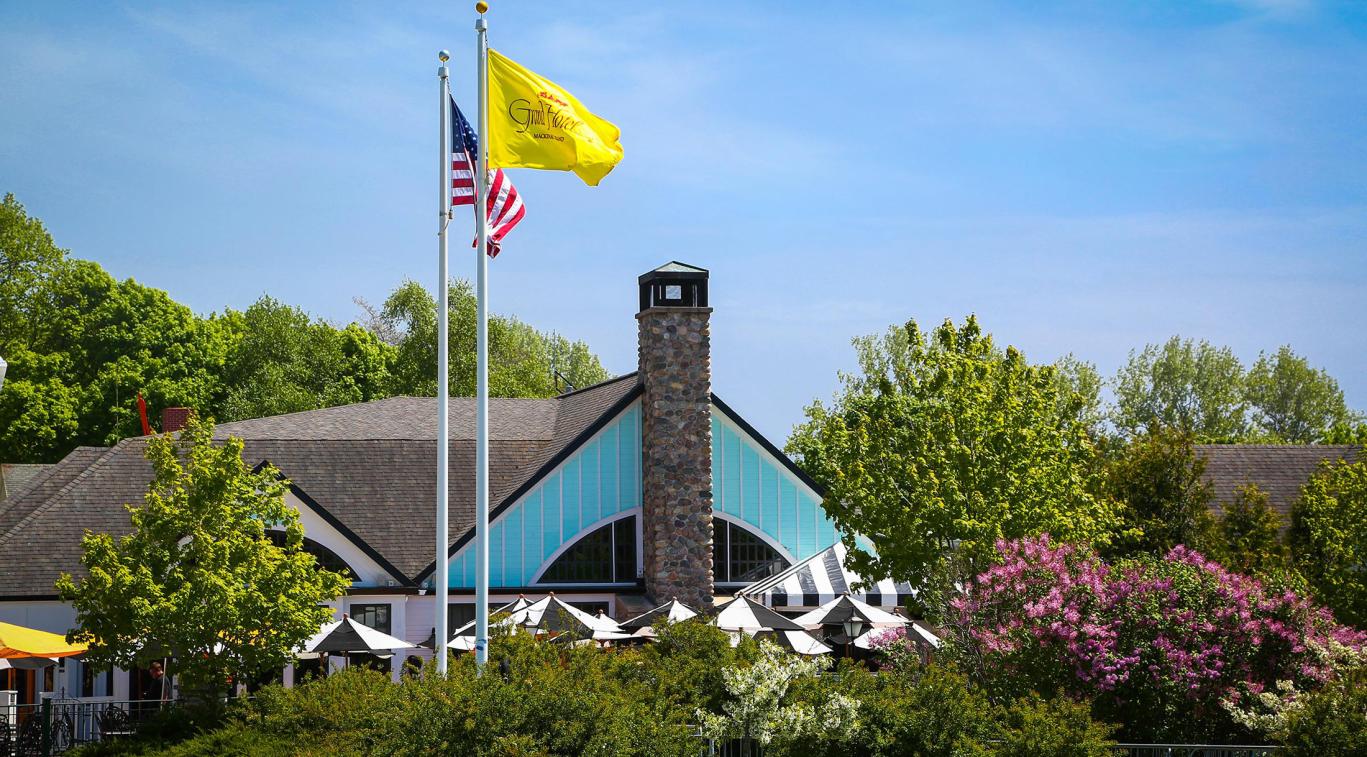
520, 357
1204, 390
942, 444
1192, 386
1329, 538
1249, 533
198, 580
1156, 478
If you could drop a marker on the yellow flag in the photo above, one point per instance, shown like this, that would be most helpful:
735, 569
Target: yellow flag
533, 123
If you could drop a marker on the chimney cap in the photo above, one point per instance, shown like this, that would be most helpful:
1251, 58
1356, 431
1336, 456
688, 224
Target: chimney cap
673, 270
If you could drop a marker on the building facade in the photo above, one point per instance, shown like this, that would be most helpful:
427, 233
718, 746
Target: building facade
615, 496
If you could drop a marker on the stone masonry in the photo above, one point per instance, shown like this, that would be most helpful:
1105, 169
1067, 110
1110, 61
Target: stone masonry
676, 371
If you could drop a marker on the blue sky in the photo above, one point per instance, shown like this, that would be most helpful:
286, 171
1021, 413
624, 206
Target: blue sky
1085, 177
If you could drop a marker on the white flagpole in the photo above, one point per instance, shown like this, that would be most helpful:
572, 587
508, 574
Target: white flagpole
482, 359
440, 571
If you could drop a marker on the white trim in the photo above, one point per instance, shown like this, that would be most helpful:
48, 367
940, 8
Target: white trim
573, 540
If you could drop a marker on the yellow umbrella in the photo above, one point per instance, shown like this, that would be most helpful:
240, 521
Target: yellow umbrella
18, 642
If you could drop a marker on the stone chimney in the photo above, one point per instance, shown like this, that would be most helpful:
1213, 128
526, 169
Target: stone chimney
676, 427
173, 419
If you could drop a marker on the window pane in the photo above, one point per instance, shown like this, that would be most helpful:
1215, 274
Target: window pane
721, 551
327, 559
626, 550
751, 557
460, 613
375, 616
593, 560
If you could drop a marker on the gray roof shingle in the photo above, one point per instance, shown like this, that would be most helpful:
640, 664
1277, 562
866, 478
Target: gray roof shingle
1278, 469
369, 465
16, 477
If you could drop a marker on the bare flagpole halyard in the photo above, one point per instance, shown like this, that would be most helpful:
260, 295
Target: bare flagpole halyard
482, 359
439, 572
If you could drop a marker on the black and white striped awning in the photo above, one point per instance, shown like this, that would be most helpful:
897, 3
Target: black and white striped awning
820, 579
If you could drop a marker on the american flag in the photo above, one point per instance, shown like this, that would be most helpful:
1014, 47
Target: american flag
505, 205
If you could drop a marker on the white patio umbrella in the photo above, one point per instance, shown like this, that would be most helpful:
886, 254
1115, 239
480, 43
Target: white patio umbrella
346, 636
745, 615
463, 638
851, 617
551, 616
801, 642
844, 607
915, 631
672, 611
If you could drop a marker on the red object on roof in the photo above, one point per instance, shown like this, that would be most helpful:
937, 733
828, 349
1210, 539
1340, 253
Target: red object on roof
142, 413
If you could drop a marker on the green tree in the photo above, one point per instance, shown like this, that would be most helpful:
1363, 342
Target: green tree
198, 580
520, 357
1079, 391
1329, 538
941, 445
1156, 478
1033, 725
95, 343
1191, 386
1293, 402
281, 361
27, 257
1347, 432
1249, 534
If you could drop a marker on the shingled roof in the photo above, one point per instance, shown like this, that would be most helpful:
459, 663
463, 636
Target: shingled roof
16, 477
368, 466
1278, 469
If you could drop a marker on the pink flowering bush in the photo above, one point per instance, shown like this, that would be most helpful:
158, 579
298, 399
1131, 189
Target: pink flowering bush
896, 651
1155, 643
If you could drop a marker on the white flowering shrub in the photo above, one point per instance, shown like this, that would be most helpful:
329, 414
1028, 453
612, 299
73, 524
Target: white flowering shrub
1268, 712
758, 706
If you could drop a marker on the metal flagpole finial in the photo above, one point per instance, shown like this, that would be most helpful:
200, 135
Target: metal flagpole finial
444, 55
481, 7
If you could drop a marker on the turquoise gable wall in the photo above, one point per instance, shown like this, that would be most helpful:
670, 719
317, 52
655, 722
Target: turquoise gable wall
603, 479
749, 485
599, 481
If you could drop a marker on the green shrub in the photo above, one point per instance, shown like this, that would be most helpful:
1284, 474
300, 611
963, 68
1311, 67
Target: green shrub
1032, 726
685, 664
930, 711
555, 700
1331, 721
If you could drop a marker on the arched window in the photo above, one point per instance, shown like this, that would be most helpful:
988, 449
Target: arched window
739, 556
327, 559
606, 556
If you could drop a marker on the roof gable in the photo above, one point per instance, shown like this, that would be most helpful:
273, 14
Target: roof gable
380, 486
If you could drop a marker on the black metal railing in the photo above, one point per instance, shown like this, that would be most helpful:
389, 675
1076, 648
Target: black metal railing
1194, 750
57, 725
